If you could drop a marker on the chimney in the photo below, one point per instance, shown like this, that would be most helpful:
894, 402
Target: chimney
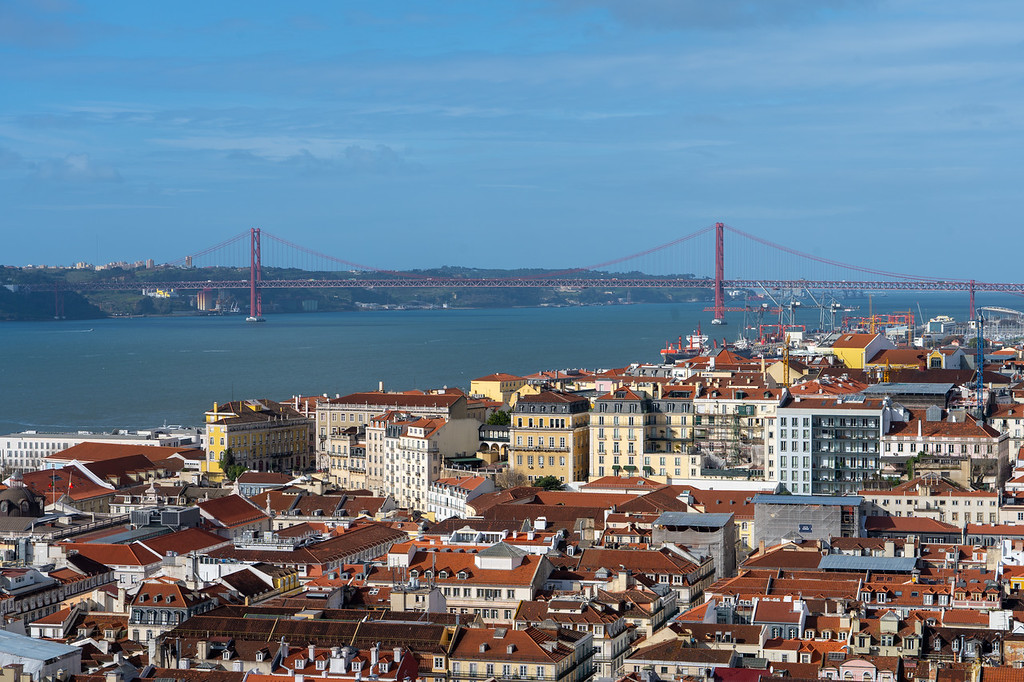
374, 654
397, 654
312, 653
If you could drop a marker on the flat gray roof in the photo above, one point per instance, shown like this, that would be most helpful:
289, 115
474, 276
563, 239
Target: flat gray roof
827, 500
845, 562
693, 519
35, 649
908, 388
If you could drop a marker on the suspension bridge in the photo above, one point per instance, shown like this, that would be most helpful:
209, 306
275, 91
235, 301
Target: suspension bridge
764, 265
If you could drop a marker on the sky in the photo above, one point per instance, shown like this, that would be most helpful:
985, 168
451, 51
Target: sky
534, 133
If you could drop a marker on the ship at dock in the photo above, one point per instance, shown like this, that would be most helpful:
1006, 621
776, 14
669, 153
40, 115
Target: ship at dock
685, 347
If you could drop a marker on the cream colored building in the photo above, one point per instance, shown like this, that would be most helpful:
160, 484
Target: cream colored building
934, 498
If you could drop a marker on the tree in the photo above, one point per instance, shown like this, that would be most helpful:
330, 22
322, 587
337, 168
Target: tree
548, 483
499, 418
232, 470
510, 478
912, 464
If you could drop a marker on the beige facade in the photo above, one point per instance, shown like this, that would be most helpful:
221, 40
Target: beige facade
934, 498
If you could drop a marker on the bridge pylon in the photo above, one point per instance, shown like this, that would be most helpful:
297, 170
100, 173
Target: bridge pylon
255, 277
719, 317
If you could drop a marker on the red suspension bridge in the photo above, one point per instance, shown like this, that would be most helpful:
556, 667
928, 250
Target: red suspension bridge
765, 266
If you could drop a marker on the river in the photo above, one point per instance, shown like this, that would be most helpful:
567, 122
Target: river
145, 372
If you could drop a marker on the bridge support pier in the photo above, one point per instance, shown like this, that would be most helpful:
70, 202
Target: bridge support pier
719, 317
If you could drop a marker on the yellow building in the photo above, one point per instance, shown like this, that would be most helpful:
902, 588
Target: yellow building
261, 435
550, 436
497, 387
856, 349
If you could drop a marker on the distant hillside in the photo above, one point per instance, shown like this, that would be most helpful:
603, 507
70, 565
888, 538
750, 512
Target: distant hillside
23, 305
40, 305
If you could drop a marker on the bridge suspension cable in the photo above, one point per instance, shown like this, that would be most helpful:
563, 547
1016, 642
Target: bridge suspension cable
622, 259
334, 259
216, 247
829, 261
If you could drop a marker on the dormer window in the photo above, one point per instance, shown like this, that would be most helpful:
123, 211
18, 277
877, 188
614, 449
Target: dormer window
357, 666
414, 573
443, 574
321, 665
463, 575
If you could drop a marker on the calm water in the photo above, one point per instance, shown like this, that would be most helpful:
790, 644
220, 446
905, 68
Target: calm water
144, 372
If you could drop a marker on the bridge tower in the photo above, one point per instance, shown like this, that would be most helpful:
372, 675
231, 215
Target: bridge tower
971, 314
255, 277
719, 317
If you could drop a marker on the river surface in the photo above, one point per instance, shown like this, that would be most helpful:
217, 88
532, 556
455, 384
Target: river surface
145, 372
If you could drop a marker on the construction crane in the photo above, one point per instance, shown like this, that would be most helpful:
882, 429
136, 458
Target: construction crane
785, 363
979, 361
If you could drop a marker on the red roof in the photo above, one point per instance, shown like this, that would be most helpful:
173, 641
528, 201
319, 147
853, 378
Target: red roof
96, 452
134, 554
232, 511
908, 524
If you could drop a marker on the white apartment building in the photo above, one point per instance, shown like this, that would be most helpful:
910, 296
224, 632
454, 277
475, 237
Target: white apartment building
827, 445
25, 451
448, 497
405, 454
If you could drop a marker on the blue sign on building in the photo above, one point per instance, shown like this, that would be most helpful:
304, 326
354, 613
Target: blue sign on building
805, 528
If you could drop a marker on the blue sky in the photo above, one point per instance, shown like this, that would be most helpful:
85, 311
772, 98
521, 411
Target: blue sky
552, 133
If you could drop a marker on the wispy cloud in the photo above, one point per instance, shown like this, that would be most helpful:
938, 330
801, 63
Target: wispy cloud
716, 14
76, 168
